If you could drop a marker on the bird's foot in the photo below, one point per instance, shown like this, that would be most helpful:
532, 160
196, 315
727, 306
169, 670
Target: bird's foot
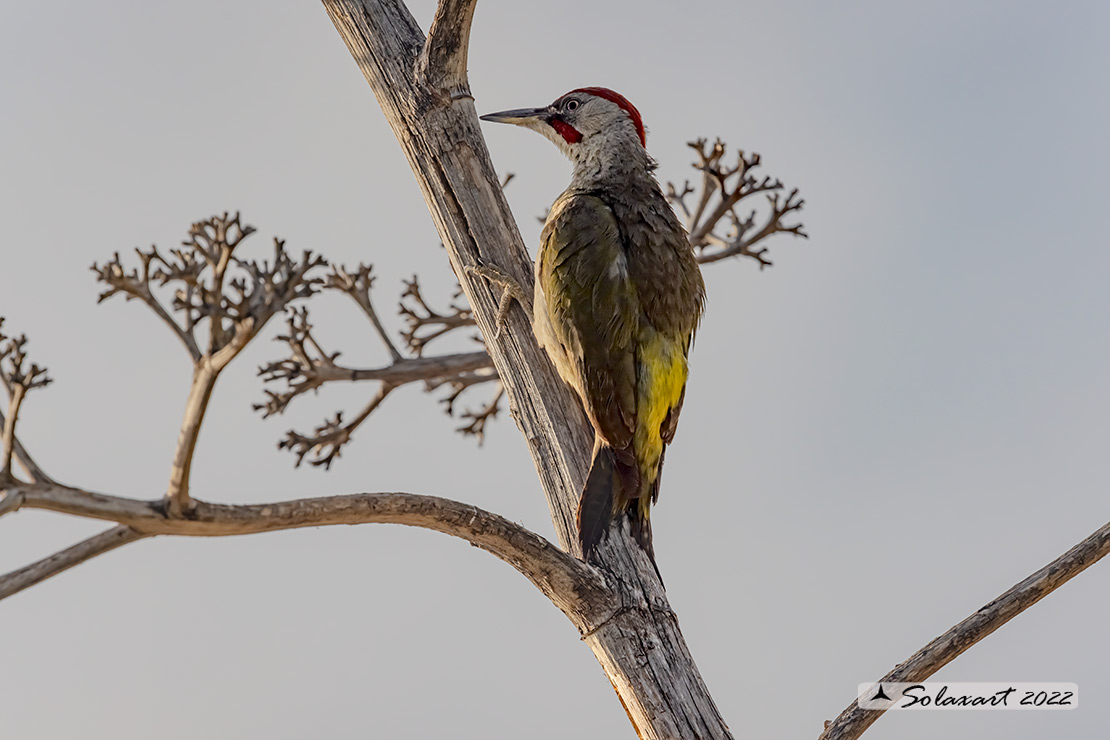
513, 291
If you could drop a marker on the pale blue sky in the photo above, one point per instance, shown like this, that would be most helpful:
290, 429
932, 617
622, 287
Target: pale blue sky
904, 416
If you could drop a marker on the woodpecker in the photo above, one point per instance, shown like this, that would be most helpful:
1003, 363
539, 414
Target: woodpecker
618, 296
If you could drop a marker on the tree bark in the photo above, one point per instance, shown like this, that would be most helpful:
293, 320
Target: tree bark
423, 91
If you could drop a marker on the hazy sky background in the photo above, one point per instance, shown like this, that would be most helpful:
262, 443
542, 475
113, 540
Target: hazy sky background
903, 417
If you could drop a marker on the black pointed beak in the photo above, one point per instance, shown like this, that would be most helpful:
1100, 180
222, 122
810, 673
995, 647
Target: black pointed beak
519, 116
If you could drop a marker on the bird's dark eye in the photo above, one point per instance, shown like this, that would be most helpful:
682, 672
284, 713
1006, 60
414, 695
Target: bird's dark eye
571, 105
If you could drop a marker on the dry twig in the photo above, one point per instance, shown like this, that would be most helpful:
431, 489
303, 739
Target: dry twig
720, 192
18, 379
419, 316
327, 440
357, 285
308, 367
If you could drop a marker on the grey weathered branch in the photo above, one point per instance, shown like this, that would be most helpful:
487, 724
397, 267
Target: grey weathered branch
641, 647
853, 721
573, 586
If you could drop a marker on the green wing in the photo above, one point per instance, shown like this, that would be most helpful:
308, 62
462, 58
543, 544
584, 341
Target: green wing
594, 310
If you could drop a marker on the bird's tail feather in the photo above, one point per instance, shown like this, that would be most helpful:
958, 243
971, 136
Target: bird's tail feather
641, 530
609, 477
595, 508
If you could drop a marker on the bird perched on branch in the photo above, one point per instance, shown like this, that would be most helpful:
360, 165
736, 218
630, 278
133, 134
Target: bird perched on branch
618, 296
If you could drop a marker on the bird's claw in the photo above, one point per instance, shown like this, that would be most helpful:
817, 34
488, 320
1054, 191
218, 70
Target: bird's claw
513, 290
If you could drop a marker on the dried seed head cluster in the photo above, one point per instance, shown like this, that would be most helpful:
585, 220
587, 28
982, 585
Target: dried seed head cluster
720, 192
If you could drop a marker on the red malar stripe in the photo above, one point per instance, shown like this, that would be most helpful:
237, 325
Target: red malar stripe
568, 132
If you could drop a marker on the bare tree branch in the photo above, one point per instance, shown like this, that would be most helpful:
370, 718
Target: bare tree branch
34, 473
576, 588
234, 305
731, 184
737, 243
476, 427
18, 380
327, 440
358, 286
20, 454
200, 393
136, 284
459, 384
308, 367
18, 580
853, 721
419, 315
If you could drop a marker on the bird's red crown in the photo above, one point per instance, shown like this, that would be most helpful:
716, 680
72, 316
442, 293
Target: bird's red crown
622, 102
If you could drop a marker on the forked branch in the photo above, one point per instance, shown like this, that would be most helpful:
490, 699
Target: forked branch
721, 190
357, 285
327, 440
217, 292
308, 367
425, 324
441, 66
18, 379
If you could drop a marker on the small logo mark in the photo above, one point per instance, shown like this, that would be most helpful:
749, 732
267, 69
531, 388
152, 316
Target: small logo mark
880, 695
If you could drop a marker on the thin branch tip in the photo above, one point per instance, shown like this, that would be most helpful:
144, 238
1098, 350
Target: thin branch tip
723, 187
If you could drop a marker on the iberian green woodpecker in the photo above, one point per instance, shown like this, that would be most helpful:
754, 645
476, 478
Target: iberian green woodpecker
618, 296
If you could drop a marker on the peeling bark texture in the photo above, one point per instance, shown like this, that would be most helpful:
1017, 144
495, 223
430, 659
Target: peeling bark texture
423, 92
